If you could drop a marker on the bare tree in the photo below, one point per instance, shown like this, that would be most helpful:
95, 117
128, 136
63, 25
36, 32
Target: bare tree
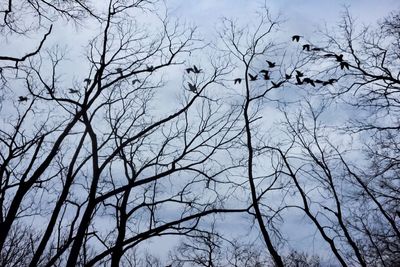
142, 138
96, 161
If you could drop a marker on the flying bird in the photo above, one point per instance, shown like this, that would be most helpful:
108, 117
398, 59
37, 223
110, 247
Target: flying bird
135, 81
192, 87
73, 91
299, 82
266, 76
271, 64
276, 85
196, 70
344, 64
309, 81
296, 38
238, 80
188, 70
299, 73
316, 49
306, 47
22, 98
339, 58
253, 78
329, 82
326, 83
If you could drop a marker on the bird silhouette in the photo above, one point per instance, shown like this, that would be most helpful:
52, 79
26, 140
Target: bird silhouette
329, 55
265, 74
22, 98
309, 81
306, 47
87, 80
188, 70
299, 73
150, 68
271, 64
344, 64
316, 49
135, 81
329, 82
276, 85
196, 70
192, 87
339, 58
73, 91
288, 76
238, 80
296, 38
299, 81
252, 78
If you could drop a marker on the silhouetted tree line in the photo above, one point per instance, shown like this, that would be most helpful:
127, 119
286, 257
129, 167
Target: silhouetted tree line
99, 161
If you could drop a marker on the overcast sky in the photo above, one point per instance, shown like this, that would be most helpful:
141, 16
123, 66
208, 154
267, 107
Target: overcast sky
301, 15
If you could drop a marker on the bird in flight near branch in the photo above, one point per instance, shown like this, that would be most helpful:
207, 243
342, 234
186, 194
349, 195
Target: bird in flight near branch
299, 81
271, 64
296, 38
329, 82
196, 70
344, 64
339, 58
253, 77
309, 81
192, 87
276, 85
119, 70
22, 98
316, 49
73, 91
265, 74
238, 80
299, 73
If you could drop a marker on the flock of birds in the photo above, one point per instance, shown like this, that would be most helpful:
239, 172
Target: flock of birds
299, 77
192, 87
